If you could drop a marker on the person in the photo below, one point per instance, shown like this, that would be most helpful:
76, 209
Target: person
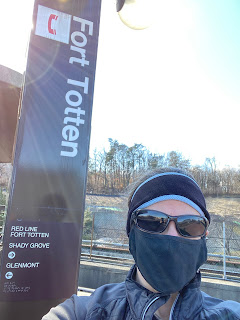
167, 227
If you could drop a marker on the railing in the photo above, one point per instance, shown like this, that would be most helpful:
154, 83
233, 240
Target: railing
217, 265
104, 230
224, 239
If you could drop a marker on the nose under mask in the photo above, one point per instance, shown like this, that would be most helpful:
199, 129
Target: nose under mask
167, 263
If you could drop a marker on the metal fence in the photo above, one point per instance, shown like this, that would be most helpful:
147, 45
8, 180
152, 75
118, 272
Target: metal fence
223, 245
105, 236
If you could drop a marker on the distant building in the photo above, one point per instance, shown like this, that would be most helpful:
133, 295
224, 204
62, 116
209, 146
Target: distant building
10, 88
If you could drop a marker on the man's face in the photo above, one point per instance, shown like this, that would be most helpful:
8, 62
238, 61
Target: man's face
174, 208
171, 208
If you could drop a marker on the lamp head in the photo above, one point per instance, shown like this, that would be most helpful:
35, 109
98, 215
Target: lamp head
137, 14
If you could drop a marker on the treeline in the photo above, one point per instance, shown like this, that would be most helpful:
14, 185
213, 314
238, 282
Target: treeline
110, 172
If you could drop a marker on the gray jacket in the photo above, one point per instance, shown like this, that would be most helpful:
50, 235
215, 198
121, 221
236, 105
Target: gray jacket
130, 301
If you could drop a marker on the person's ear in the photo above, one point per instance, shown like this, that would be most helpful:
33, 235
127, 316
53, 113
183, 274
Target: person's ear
207, 232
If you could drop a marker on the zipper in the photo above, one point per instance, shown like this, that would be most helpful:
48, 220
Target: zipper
151, 302
173, 306
147, 307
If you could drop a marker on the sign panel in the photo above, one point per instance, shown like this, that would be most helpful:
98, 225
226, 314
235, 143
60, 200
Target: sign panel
43, 232
33, 260
53, 24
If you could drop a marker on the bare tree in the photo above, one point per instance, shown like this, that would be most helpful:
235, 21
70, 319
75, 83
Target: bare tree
112, 171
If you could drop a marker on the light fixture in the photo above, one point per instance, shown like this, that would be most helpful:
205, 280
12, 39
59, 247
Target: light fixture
137, 14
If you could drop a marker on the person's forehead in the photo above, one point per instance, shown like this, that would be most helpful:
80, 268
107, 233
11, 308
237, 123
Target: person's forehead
174, 208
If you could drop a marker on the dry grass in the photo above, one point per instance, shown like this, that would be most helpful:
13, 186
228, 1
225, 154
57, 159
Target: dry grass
224, 207
216, 206
107, 201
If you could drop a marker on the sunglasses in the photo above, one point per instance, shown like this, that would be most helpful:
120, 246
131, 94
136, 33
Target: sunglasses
152, 221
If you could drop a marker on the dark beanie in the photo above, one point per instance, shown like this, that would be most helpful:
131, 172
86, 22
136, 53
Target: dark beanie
167, 186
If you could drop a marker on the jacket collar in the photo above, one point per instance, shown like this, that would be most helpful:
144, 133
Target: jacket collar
141, 300
143, 303
190, 301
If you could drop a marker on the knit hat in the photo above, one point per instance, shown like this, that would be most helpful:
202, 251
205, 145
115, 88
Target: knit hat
168, 186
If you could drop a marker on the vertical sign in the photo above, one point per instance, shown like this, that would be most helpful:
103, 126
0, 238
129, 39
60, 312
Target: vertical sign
43, 232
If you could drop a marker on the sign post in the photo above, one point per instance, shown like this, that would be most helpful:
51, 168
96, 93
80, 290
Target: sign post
43, 231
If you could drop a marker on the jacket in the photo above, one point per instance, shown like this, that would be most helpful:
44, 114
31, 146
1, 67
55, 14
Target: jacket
130, 301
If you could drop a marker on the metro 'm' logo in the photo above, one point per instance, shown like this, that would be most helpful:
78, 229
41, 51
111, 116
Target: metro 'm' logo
53, 24
50, 28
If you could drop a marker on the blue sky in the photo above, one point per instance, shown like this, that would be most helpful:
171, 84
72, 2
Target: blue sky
220, 46
173, 86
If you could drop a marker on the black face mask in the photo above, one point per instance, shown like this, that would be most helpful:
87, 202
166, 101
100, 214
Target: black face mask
166, 262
